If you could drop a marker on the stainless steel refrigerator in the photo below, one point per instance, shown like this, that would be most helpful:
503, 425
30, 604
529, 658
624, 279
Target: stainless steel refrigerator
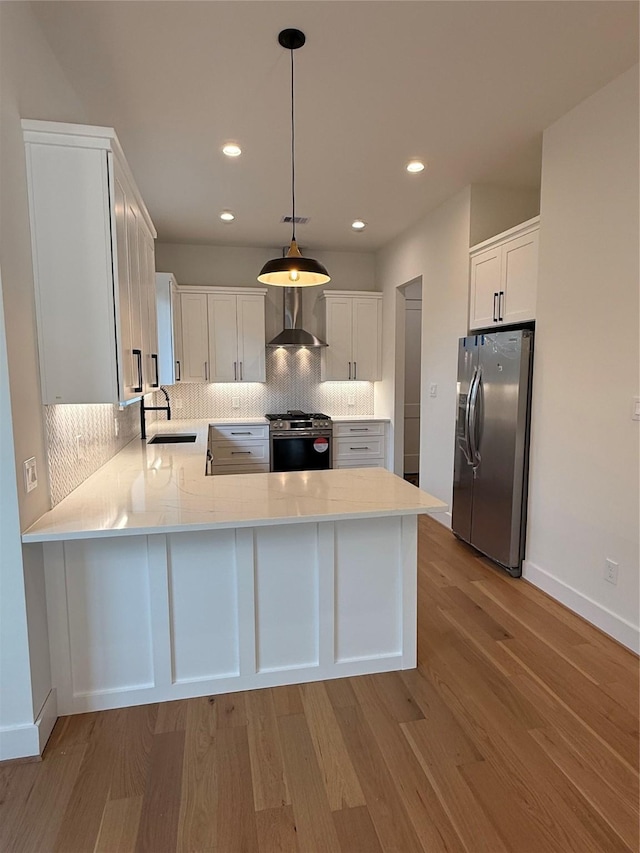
492, 444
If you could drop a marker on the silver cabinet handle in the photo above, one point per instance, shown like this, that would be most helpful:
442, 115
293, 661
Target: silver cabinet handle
206, 371
235, 371
241, 376
349, 370
500, 305
355, 369
178, 372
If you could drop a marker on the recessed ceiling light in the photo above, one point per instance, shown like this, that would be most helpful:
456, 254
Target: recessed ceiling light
358, 224
227, 216
231, 149
415, 166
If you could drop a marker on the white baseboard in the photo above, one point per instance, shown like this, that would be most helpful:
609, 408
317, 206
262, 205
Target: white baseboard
29, 740
615, 626
443, 517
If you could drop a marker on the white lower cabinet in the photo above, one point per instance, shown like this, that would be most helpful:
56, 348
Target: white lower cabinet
359, 444
239, 448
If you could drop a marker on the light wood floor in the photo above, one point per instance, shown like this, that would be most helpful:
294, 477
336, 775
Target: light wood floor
517, 732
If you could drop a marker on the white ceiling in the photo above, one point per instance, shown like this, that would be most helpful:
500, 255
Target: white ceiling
468, 86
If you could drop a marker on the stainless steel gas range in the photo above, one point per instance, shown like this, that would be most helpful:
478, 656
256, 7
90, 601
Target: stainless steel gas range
300, 441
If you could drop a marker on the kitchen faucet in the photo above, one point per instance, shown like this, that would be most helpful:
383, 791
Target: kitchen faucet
143, 409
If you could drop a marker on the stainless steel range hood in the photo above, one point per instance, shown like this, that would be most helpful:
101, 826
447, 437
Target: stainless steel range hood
293, 335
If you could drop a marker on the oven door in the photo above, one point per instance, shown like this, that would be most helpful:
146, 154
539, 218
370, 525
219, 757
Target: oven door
301, 452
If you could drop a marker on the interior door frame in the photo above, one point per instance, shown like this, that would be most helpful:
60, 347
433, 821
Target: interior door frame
398, 404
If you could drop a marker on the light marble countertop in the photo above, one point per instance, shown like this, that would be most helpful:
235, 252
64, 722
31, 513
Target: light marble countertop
162, 488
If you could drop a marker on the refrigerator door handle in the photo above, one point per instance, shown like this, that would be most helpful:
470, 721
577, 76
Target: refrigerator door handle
473, 425
465, 444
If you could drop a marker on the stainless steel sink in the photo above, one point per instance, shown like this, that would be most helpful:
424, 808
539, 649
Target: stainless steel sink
172, 438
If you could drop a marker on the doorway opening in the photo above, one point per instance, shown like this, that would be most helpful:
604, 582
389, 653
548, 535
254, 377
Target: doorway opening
408, 380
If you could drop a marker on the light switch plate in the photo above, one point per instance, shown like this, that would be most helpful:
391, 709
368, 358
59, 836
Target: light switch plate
433, 390
635, 412
30, 474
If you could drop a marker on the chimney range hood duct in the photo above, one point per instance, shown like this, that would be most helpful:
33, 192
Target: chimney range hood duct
293, 335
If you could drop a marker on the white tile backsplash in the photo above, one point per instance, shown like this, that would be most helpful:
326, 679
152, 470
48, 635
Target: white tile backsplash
293, 382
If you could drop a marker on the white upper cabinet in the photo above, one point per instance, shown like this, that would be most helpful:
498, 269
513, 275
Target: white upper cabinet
169, 325
93, 258
223, 334
353, 332
504, 277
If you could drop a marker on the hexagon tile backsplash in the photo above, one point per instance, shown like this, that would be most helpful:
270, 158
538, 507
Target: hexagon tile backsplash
293, 382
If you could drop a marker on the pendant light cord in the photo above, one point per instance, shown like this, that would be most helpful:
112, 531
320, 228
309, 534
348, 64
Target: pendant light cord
293, 157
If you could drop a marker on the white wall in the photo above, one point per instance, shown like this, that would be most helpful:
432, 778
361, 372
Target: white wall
232, 266
584, 452
437, 249
32, 86
495, 209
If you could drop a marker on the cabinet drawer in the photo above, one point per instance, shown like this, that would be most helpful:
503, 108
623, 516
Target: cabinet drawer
358, 428
229, 453
238, 432
354, 449
359, 463
232, 468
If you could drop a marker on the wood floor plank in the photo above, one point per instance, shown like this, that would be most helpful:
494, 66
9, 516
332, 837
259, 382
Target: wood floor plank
82, 818
356, 832
467, 817
424, 808
398, 699
198, 801
339, 778
158, 827
39, 812
392, 824
172, 716
235, 815
119, 827
277, 831
131, 750
316, 830
621, 818
267, 766
230, 709
287, 700
340, 693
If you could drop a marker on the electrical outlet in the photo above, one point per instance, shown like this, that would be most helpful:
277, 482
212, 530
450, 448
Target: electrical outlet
235, 402
80, 448
351, 400
30, 474
433, 390
611, 571
116, 427
179, 404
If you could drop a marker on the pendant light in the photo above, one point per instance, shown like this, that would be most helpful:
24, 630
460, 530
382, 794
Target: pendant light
293, 270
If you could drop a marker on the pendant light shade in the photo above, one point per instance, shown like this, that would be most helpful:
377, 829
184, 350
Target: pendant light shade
293, 270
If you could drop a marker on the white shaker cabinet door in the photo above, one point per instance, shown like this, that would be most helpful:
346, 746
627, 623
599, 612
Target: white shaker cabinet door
223, 340
520, 278
148, 309
128, 362
195, 338
366, 329
251, 338
485, 288
337, 357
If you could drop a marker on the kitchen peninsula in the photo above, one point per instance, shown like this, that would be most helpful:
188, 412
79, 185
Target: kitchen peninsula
164, 583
